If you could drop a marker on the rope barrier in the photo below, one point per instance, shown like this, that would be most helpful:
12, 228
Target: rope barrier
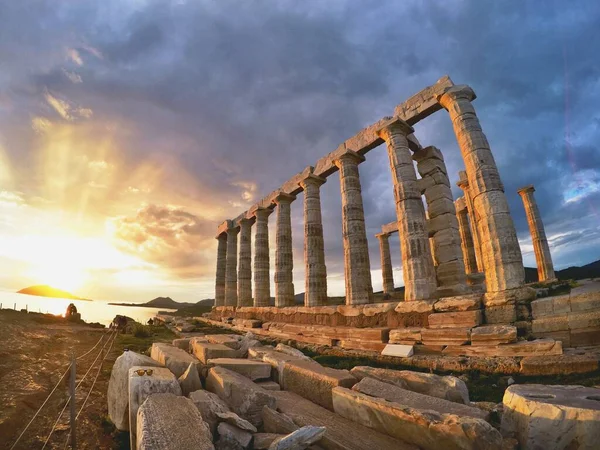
92, 349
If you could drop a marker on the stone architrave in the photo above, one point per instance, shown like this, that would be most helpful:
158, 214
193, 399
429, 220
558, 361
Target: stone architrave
245, 264
357, 266
386, 263
284, 257
466, 238
231, 267
441, 213
538, 235
463, 183
502, 258
221, 263
418, 270
262, 284
315, 289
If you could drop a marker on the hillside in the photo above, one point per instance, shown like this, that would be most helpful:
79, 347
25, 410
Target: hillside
158, 302
591, 270
42, 290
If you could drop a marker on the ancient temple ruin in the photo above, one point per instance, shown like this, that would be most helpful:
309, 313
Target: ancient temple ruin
462, 265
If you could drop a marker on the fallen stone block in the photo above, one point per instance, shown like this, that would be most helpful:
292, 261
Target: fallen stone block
169, 422
299, 439
340, 433
269, 385
522, 348
173, 358
458, 303
399, 350
427, 429
229, 340
246, 343
143, 386
405, 335
447, 387
233, 419
493, 335
277, 360
276, 422
206, 350
243, 396
190, 380
209, 405
255, 370
446, 336
391, 393
118, 387
232, 437
462, 319
183, 344
314, 382
290, 351
556, 417
262, 441
355, 344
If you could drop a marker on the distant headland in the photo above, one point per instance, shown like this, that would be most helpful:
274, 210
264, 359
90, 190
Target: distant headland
42, 290
158, 302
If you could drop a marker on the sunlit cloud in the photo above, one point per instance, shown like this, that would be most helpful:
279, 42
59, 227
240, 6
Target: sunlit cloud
585, 183
74, 77
249, 190
40, 124
74, 56
60, 106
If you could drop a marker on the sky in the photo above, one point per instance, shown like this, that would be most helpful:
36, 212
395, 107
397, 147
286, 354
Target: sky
130, 129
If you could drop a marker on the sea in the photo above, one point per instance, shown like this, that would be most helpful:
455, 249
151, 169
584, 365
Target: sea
91, 311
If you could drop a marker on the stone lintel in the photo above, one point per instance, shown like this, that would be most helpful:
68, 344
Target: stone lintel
460, 203
395, 122
390, 228
526, 189
423, 103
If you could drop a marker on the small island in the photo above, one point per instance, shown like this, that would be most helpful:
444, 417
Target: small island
158, 302
42, 290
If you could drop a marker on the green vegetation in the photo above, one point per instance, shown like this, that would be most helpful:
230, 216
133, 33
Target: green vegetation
192, 311
142, 340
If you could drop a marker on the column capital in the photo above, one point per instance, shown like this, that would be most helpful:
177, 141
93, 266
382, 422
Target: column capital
526, 190
394, 125
311, 179
282, 197
259, 212
382, 236
349, 156
455, 93
460, 204
233, 230
221, 236
246, 221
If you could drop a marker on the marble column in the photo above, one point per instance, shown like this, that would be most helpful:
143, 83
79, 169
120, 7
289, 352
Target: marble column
315, 287
245, 264
502, 258
231, 267
262, 283
221, 263
386, 263
538, 235
463, 183
466, 238
357, 267
284, 258
417, 264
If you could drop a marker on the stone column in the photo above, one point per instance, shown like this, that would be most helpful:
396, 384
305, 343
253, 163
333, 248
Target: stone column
466, 238
245, 264
357, 267
386, 263
231, 267
502, 258
463, 183
284, 258
315, 287
417, 263
221, 263
538, 235
262, 283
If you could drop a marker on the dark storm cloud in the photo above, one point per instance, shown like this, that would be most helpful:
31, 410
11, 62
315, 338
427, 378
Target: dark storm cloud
252, 92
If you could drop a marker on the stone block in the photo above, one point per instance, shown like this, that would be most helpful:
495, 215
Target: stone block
173, 358
314, 382
510, 296
243, 396
229, 340
505, 314
584, 303
169, 422
416, 306
545, 307
404, 335
428, 430
255, 370
268, 385
441, 206
584, 320
141, 387
183, 344
209, 405
464, 319
493, 335
299, 439
565, 364
232, 437
262, 441
440, 223
341, 433
458, 303
444, 387
118, 387
548, 324
557, 417
357, 344
584, 337
446, 336
563, 336
422, 349
392, 393
398, 350
190, 380
277, 360
206, 350
522, 348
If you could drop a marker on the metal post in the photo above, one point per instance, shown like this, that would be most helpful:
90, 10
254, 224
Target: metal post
15, 307
72, 405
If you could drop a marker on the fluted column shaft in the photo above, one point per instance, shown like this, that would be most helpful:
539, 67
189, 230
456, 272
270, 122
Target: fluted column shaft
357, 267
417, 264
284, 258
386, 263
262, 283
315, 287
502, 258
541, 248
463, 183
466, 238
231, 268
221, 267
245, 264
